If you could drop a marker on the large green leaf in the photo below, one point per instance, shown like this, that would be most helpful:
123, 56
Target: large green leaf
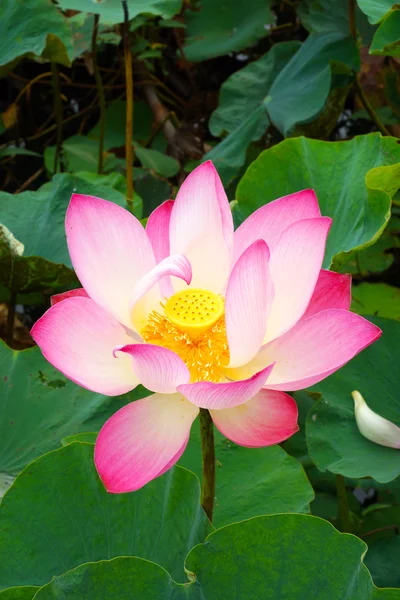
111, 11
217, 27
349, 187
45, 261
80, 153
325, 16
282, 557
333, 439
251, 481
157, 161
241, 112
301, 89
39, 407
387, 39
33, 27
25, 592
378, 299
59, 510
382, 560
375, 9
386, 13
279, 557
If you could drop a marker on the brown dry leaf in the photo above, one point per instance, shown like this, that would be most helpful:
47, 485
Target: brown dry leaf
22, 338
10, 116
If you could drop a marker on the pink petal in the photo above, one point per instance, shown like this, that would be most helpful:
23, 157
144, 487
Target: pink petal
333, 290
158, 369
147, 296
71, 294
207, 394
77, 336
248, 301
201, 228
157, 229
295, 265
110, 252
268, 222
268, 418
314, 348
142, 440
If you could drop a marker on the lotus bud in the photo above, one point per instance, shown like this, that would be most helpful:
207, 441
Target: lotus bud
374, 427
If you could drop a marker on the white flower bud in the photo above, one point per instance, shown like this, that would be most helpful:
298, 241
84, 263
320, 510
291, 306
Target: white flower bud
374, 427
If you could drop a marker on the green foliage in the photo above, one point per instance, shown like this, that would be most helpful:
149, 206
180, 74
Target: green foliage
337, 172
59, 509
386, 14
216, 27
264, 480
33, 27
333, 439
111, 11
376, 299
256, 557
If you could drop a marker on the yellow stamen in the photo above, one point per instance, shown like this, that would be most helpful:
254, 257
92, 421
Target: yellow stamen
199, 339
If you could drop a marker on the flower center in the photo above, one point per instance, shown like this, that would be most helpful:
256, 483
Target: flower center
193, 326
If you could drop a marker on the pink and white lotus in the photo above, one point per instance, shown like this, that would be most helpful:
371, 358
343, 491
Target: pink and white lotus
202, 316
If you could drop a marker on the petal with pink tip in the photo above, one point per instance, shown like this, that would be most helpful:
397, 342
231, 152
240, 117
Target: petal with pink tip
268, 418
157, 229
110, 252
313, 349
71, 294
142, 440
201, 228
295, 265
147, 295
333, 290
157, 368
248, 301
268, 222
207, 394
77, 336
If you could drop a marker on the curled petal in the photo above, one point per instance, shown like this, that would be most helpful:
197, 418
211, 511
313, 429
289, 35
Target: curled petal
142, 440
158, 369
270, 417
147, 295
77, 336
207, 394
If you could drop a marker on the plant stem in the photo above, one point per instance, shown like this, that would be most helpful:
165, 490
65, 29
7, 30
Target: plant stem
10, 318
368, 107
208, 459
59, 114
343, 504
100, 91
129, 107
351, 10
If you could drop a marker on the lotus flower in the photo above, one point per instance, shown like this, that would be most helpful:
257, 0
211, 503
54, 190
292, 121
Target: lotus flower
200, 315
